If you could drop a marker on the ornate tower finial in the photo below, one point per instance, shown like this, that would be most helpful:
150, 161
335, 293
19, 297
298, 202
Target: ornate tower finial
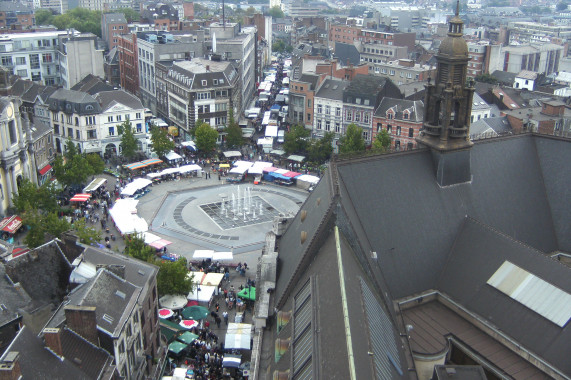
457, 8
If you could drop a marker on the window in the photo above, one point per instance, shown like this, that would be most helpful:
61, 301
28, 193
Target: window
349, 116
309, 103
405, 115
410, 132
366, 118
319, 124
319, 108
20, 60
308, 116
392, 72
366, 135
22, 73
139, 127
70, 132
69, 119
397, 144
358, 100
337, 128
327, 110
111, 131
357, 116
77, 134
47, 58
118, 117
122, 347
90, 120
390, 129
202, 95
34, 61
379, 127
366, 102
389, 115
204, 82
398, 130
7, 60
110, 119
215, 81
56, 129
12, 132
327, 126
92, 134
338, 111
300, 88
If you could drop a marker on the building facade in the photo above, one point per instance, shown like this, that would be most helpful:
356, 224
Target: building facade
402, 119
78, 56
16, 16
402, 71
328, 108
112, 26
541, 58
129, 63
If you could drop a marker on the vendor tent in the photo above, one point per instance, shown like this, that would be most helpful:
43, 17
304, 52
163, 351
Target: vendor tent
238, 336
176, 347
304, 181
266, 141
172, 302
203, 254
201, 293
221, 256
277, 152
124, 214
138, 184
195, 312
187, 337
94, 185
172, 156
160, 244
149, 237
11, 224
80, 197
248, 293
296, 158
189, 145
212, 279
190, 168
272, 130
231, 361
142, 164
232, 153
258, 167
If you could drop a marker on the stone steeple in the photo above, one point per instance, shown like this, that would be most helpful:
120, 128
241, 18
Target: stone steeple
448, 105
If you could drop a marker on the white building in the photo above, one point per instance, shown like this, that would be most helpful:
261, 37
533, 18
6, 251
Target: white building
525, 80
32, 56
16, 161
480, 109
328, 108
78, 56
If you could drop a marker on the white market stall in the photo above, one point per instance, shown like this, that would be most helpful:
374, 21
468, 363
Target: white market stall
304, 181
202, 293
124, 214
173, 156
271, 131
94, 185
190, 168
132, 187
258, 167
203, 254
232, 153
267, 144
238, 336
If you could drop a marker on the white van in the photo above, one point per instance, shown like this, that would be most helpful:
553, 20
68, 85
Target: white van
281, 136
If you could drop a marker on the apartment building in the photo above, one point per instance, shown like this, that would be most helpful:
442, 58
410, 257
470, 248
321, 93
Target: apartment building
541, 58
402, 119
201, 89
374, 52
15, 16
534, 32
129, 62
328, 109
112, 26
350, 33
78, 56
402, 71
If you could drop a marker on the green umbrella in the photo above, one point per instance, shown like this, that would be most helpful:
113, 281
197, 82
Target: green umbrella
195, 312
177, 347
187, 337
248, 293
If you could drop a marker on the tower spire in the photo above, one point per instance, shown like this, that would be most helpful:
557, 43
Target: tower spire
457, 8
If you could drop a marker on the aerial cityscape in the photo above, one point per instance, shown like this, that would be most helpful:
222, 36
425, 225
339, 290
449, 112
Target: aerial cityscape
285, 189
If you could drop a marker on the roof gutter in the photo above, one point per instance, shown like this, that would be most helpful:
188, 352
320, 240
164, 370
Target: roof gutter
349, 340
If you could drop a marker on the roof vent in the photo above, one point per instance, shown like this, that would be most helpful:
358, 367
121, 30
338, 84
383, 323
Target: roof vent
77, 361
141, 272
107, 318
120, 294
450, 371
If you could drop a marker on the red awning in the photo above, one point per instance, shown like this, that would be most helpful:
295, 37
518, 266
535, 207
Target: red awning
11, 224
45, 169
80, 198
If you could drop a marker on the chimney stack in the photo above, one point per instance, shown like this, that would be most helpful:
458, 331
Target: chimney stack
10, 366
53, 340
81, 319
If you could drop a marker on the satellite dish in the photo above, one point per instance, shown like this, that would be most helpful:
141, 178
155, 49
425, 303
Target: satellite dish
214, 42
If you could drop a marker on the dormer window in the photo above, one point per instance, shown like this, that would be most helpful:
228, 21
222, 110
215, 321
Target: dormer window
389, 115
203, 83
406, 115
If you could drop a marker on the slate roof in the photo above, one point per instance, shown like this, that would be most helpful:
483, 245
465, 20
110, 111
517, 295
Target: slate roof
108, 99
112, 297
494, 125
40, 129
11, 299
114, 18
478, 104
311, 79
6, 6
477, 253
92, 85
90, 359
37, 362
71, 101
347, 53
504, 77
416, 109
369, 86
332, 89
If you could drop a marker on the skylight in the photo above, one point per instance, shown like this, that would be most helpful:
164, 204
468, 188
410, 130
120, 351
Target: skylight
533, 292
107, 318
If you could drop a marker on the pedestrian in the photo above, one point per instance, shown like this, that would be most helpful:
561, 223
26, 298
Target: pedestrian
225, 316
218, 321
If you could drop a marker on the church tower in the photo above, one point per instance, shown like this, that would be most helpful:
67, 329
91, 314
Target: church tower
447, 108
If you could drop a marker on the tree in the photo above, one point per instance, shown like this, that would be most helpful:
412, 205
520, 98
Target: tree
160, 142
276, 12
296, 140
128, 144
250, 11
80, 19
43, 16
76, 167
42, 223
130, 14
486, 78
85, 233
137, 248
205, 137
353, 140
562, 6
234, 138
172, 278
320, 149
382, 141
30, 196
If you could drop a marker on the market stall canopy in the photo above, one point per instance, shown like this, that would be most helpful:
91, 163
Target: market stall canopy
238, 336
188, 323
189, 144
239, 169
176, 347
266, 141
248, 293
173, 302
160, 244
165, 313
203, 254
272, 130
94, 185
258, 167
308, 178
124, 214
232, 153
137, 184
80, 197
188, 337
169, 171
224, 165
45, 169
142, 164
189, 168
296, 158
195, 312
231, 361
11, 224
201, 293
153, 175
291, 174
221, 256
196, 277
212, 279
270, 169
173, 156
149, 237
277, 152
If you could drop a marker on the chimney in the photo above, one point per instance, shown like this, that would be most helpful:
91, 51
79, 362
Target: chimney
207, 68
10, 366
406, 62
81, 319
53, 340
